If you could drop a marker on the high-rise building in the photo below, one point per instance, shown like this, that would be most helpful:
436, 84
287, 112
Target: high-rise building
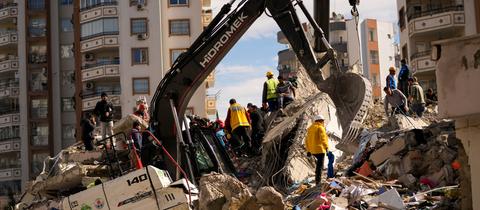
378, 53
422, 22
57, 57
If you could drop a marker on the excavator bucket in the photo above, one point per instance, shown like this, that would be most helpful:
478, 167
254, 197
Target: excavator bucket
352, 95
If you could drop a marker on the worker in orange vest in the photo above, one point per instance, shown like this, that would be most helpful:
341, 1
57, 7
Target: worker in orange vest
238, 124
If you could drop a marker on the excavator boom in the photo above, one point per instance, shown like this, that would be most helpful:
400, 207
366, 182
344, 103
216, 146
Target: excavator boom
192, 67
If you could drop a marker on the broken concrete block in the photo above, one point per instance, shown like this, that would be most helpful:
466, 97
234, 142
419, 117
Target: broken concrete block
411, 160
339, 203
407, 180
387, 150
269, 198
390, 199
219, 191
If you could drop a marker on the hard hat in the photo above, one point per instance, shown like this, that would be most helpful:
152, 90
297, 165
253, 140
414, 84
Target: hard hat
391, 68
269, 73
318, 117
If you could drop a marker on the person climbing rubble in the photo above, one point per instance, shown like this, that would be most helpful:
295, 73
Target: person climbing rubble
285, 93
416, 97
258, 127
269, 95
397, 101
237, 124
88, 128
316, 144
431, 98
104, 110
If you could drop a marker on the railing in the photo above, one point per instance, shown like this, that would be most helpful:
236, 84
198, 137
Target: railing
99, 34
101, 63
99, 4
99, 93
9, 4
9, 133
451, 8
420, 54
4, 111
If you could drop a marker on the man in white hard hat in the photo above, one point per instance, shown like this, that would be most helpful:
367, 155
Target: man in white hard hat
316, 144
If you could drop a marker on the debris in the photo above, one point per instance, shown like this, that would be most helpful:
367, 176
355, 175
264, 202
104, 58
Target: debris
390, 199
269, 198
220, 191
391, 148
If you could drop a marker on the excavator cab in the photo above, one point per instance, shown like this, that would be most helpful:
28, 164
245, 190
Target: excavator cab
350, 92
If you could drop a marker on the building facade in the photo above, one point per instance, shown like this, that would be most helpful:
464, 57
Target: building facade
378, 53
57, 57
422, 22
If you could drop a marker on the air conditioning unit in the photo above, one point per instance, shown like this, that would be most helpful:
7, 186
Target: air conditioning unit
142, 36
89, 56
89, 86
140, 5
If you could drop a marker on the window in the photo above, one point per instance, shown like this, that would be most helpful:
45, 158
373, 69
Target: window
39, 108
37, 162
138, 26
373, 57
87, 4
371, 35
106, 26
139, 56
401, 18
374, 79
389, 36
7, 133
178, 2
174, 53
179, 27
68, 104
404, 52
68, 131
39, 80
7, 187
66, 2
36, 4
66, 51
39, 134
67, 25
37, 27
141, 86
341, 39
138, 2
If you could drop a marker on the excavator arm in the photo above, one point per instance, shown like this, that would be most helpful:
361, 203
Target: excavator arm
193, 66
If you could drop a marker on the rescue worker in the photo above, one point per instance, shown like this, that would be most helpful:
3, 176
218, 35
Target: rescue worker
416, 97
285, 92
258, 127
88, 128
238, 124
142, 113
316, 144
391, 78
403, 77
269, 95
104, 110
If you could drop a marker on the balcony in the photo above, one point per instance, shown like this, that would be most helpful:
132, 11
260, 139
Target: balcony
7, 11
421, 62
101, 70
97, 41
10, 64
10, 146
98, 10
211, 105
10, 173
90, 100
432, 21
340, 47
9, 119
8, 39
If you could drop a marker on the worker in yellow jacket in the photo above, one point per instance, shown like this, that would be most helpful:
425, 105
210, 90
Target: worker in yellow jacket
316, 144
238, 124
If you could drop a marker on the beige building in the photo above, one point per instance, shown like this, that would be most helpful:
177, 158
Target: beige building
423, 22
56, 57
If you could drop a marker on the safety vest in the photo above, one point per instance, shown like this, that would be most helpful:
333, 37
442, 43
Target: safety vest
238, 116
271, 88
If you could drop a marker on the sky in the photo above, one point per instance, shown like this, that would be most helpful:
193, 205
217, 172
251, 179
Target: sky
241, 73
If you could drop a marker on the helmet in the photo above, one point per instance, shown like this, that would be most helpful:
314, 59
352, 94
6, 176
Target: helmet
318, 117
391, 68
269, 73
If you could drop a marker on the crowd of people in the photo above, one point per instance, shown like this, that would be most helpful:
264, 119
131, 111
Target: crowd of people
409, 97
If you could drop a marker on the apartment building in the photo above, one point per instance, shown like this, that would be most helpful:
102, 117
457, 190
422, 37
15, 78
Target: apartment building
423, 22
343, 38
56, 57
378, 53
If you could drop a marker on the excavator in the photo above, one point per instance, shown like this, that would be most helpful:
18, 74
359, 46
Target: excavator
151, 188
350, 92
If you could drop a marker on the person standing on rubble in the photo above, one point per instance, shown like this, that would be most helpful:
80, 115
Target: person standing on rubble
238, 123
397, 100
88, 128
316, 144
285, 92
403, 77
269, 95
258, 127
104, 110
391, 78
431, 97
416, 97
